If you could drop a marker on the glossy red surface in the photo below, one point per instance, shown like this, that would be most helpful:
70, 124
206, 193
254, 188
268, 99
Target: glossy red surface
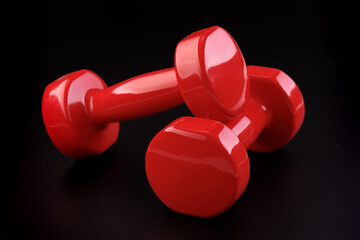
209, 75
192, 172
211, 72
65, 108
277, 108
137, 97
200, 167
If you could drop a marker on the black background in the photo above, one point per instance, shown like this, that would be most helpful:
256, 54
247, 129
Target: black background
307, 190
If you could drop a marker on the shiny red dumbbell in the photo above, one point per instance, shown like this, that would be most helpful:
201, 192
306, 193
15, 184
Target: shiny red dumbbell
82, 115
200, 167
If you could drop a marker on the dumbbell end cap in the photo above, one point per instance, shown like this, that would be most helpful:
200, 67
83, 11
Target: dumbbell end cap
211, 73
65, 111
197, 167
282, 97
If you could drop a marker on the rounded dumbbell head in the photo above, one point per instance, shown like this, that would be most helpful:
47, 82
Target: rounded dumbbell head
65, 108
196, 166
282, 98
211, 74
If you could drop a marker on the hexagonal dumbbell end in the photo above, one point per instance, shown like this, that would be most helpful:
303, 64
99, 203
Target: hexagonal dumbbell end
66, 107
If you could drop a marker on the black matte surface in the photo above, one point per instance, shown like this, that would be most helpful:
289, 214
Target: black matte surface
307, 190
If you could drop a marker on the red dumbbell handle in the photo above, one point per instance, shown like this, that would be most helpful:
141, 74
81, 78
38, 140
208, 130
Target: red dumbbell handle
136, 97
249, 124
274, 113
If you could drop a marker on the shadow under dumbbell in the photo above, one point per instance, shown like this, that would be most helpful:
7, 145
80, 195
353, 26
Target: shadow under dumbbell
264, 165
85, 170
95, 175
275, 181
97, 193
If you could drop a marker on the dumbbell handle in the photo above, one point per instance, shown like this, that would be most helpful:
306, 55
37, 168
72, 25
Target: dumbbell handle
249, 124
136, 97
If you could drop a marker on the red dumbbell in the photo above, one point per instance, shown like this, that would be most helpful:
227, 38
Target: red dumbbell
81, 114
200, 166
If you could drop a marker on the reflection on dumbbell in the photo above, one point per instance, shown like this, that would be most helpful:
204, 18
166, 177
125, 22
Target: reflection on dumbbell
200, 167
81, 113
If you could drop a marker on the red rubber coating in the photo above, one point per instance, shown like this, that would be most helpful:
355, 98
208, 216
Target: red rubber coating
277, 108
200, 166
208, 75
211, 72
65, 110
